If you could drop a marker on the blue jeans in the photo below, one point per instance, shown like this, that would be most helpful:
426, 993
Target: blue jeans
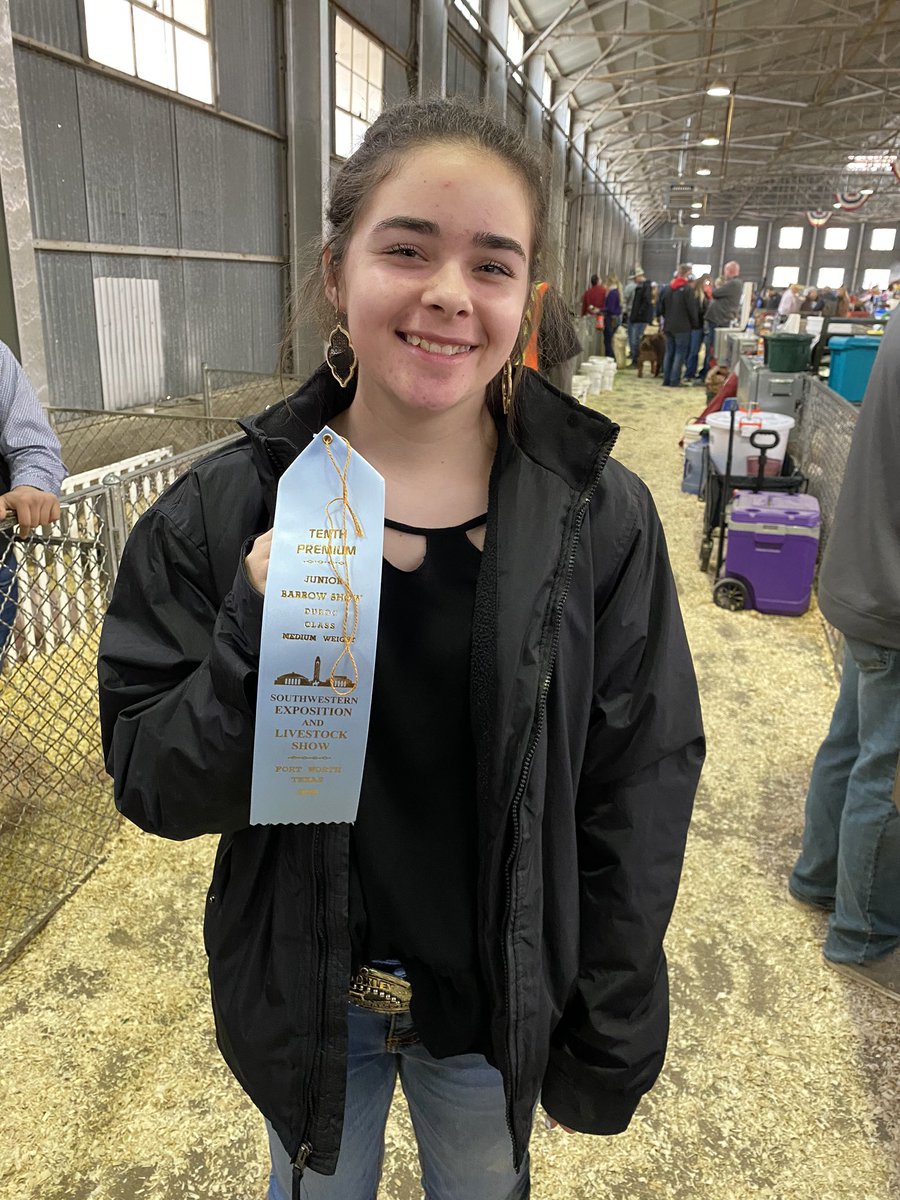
709, 341
636, 331
458, 1111
850, 853
9, 594
677, 346
690, 366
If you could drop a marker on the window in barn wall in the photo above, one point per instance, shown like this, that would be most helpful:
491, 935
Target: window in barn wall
165, 42
460, 6
877, 279
702, 235
785, 276
515, 45
701, 269
883, 239
746, 237
358, 85
830, 277
790, 237
836, 239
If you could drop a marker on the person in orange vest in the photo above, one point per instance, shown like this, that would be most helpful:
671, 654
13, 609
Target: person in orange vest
553, 343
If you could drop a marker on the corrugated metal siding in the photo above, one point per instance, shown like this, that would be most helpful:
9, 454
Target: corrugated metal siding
51, 132
178, 379
247, 57
129, 332
233, 314
231, 186
129, 163
54, 22
70, 331
465, 71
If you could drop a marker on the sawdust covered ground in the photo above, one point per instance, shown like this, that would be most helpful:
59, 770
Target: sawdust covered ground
782, 1082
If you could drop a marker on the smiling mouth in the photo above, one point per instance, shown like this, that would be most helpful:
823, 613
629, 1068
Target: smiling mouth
447, 349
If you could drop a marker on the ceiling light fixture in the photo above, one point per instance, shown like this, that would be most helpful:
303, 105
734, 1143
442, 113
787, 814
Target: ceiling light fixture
718, 89
709, 141
695, 216
704, 171
866, 191
837, 206
697, 204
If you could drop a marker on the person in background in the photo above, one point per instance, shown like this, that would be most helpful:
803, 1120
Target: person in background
703, 292
724, 307
641, 312
829, 303
592, 303
628, 295
612, 312
843, 302
681, 315
810, 300
773, 299
31, 472
849, 863
790, 302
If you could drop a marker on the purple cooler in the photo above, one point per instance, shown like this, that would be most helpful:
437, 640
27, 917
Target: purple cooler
773, 540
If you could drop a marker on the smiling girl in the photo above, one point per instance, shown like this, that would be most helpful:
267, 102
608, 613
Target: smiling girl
490, 929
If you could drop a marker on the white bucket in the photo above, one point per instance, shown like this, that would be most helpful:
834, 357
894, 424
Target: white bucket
746, 424
580, 386
693, 430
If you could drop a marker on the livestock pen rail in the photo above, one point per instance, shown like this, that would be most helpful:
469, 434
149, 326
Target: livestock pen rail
56, 810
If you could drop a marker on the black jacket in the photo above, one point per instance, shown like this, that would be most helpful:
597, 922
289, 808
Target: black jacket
589, 746
642, 304
680, 309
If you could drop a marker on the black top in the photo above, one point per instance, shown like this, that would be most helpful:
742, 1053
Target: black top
414, 846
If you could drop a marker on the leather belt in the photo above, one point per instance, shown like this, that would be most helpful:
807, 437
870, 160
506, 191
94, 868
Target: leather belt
377, 991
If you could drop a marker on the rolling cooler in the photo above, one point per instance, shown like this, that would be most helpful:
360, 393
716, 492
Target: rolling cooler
773, 540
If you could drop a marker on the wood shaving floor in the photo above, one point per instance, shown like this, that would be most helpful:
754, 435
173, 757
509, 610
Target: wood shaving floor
782, 1081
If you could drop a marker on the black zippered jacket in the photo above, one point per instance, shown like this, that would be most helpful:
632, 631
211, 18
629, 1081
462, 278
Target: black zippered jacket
589, 746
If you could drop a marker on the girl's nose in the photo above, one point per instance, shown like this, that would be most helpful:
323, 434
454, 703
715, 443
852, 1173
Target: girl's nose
448, 291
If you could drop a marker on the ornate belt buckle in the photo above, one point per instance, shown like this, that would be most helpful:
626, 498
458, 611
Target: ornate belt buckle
379, 992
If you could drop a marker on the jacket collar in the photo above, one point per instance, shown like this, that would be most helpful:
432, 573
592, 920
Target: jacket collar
550, 428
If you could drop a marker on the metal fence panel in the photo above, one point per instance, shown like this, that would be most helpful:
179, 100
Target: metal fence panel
56, 808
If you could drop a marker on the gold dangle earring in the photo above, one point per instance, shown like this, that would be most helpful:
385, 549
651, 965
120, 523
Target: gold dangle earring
506, 385
339, 346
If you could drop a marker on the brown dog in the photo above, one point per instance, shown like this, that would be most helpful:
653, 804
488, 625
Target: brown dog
652, 350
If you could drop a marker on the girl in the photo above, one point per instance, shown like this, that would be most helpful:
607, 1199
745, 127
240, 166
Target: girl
490, 929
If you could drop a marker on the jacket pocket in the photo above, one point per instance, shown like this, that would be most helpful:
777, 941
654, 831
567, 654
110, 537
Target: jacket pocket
216, 893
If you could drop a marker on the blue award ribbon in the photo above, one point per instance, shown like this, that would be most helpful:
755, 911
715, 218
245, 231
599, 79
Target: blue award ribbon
319, 630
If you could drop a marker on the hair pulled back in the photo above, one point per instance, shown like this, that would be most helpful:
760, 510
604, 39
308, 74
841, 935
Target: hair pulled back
404, 127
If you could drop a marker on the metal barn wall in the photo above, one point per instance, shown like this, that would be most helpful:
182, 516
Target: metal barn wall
117, 165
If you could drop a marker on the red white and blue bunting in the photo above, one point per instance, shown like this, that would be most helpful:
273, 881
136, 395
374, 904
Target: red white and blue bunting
850, 201
818, 217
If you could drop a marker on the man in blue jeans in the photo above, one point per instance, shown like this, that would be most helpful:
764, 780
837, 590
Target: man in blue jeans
681, 314
31, 472
849, 863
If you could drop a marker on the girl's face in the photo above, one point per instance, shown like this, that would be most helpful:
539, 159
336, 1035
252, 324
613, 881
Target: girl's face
435, 278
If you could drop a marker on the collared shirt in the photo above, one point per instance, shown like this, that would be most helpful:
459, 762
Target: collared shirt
29, 449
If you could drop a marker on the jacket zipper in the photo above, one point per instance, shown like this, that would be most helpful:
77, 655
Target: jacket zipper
537, 729
306, 1149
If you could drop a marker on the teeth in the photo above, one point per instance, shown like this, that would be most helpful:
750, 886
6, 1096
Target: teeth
436, 347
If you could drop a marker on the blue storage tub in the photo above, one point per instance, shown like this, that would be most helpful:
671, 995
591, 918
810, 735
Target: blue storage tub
851, 365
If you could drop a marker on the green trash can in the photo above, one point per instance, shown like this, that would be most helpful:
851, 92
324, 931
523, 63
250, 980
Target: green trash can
787, 351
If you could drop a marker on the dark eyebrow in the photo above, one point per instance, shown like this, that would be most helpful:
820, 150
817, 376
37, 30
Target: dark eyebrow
491, 241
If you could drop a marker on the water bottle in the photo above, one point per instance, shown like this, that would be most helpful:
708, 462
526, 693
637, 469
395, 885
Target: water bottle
694, 462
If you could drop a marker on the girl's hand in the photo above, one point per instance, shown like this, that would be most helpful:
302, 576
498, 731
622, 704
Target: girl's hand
257, 561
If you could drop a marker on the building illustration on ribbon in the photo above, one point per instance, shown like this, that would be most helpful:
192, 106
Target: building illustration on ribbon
333, 681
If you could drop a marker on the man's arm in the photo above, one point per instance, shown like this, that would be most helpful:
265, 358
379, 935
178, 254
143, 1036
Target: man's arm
29, 449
